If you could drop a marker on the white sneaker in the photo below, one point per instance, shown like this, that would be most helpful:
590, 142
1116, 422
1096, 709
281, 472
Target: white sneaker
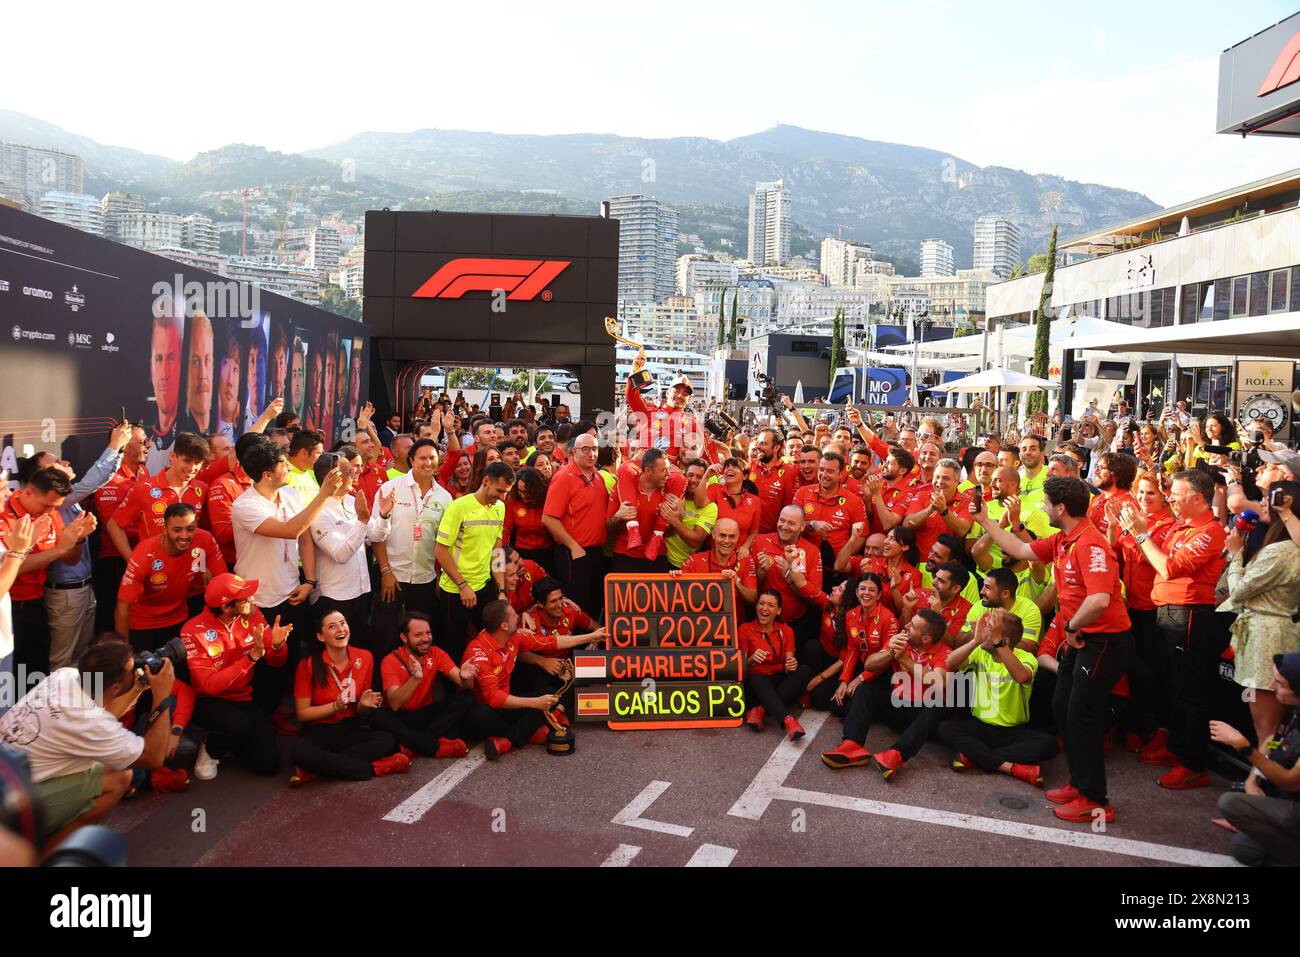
205, 765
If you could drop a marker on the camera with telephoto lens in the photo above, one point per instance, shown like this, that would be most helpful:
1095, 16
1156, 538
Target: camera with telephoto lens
719, 424
767, 394
173, 651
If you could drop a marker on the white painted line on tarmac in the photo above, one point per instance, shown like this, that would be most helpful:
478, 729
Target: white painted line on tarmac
630, 816
772, 775
621, 856
769, 785
418, 804
711, 855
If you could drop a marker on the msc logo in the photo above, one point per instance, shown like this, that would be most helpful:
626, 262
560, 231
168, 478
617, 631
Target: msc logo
522, 278
1285, 69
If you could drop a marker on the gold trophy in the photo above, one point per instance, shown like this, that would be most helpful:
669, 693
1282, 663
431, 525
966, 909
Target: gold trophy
561, 739
640, 380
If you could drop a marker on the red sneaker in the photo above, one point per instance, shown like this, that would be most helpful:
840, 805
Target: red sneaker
634, 535
794, 730
495, 747
1063, 795
1083, 811
393, 764
286, 726
755, 718
1029, 773
169, 781
888, 763
654, 546
451, 748
849, 754
962, 763
403, 749
539, 736
1155, 752
300, 777
1184, 779
1133, 742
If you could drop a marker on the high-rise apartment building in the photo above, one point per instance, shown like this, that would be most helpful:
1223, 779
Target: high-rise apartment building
324, 250
200, 234
148, 230
841, 260
769, 224
38, 171
936, 258
694, 271
997, 245
78, 210
116, 205
647, 247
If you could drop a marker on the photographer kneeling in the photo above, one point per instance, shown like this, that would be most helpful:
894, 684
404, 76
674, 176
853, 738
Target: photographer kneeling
80, 754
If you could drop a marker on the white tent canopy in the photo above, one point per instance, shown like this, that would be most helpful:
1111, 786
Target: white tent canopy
991, 380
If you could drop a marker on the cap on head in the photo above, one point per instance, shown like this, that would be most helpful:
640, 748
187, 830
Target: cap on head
229, 587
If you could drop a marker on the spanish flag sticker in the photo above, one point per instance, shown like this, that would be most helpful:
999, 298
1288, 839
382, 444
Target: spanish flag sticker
593, 702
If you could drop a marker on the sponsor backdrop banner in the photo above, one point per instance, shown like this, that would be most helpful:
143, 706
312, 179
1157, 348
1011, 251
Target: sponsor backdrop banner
886, 385
1263, 390
93, 329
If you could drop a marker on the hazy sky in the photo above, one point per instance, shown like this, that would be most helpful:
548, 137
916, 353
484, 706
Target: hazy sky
1119, 93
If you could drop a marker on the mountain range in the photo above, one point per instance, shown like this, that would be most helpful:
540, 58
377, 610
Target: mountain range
886, 194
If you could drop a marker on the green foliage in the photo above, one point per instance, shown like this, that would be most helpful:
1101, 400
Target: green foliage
837, 344
333, 300
1043, 330
735, 327
469, 379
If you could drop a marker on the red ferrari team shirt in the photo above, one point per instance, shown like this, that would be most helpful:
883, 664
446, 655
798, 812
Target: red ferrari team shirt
1138, 574
348, 682
776, 487
1195, 562
109, 498
580, 503
647, 506
745, 509
706, 563
496, 663
573, 621
867, 634
1097, 508
523, 526
935, 657
217, 654
148, 500
216, 517
793, 603
521, 599
928, 532
393, 672
841, 509
1082, 565
45, 535
778, 644
157, 584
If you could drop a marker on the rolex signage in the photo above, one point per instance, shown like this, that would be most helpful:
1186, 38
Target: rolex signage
1263, 390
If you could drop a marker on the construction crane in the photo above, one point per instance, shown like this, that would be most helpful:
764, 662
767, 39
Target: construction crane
284, 223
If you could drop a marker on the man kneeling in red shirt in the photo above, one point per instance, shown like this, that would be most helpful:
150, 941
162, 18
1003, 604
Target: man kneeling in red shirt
426, 694
508, 721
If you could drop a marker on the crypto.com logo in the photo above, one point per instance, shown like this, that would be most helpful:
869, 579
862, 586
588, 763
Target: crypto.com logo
522, 278
1285, 69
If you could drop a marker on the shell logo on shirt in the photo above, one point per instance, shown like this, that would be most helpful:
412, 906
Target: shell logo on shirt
158, 578
159, 507
809, 507
521, 512
214, 650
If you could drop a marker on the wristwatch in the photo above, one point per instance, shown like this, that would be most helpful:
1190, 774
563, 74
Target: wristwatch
1140, 538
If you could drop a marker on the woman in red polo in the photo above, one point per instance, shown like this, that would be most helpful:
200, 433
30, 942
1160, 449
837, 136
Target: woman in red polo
523, 523
334, 695
826, 655
737, 498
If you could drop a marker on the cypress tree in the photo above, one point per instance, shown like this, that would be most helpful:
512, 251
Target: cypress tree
1043, 330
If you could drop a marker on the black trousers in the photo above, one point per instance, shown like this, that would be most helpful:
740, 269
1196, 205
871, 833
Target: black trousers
1082, 705
807, 628
343, 750
517, 724
863, 706
386, 616
357, 612
270, 685
775, 693
31, 637
240, 727
988, 745
458, 623
107, 572
813, 655
914, 724
1194, 638
583, 578
151, 639
1148, 676
420, 730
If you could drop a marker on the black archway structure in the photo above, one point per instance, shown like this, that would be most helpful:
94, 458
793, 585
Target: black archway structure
498, 291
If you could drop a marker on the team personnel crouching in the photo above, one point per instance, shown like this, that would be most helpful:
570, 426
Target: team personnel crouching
773, 676
334, 699
425, 692
997, 737
227, 647
508, 721
917, 656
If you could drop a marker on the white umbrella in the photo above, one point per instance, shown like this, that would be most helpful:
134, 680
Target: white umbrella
1004, 380
798, 392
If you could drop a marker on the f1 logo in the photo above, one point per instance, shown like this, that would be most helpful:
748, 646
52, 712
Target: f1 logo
523, 278
1285, 69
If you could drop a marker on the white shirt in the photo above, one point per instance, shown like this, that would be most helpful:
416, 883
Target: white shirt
341, 570
410, 531
62, 731
272, 561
